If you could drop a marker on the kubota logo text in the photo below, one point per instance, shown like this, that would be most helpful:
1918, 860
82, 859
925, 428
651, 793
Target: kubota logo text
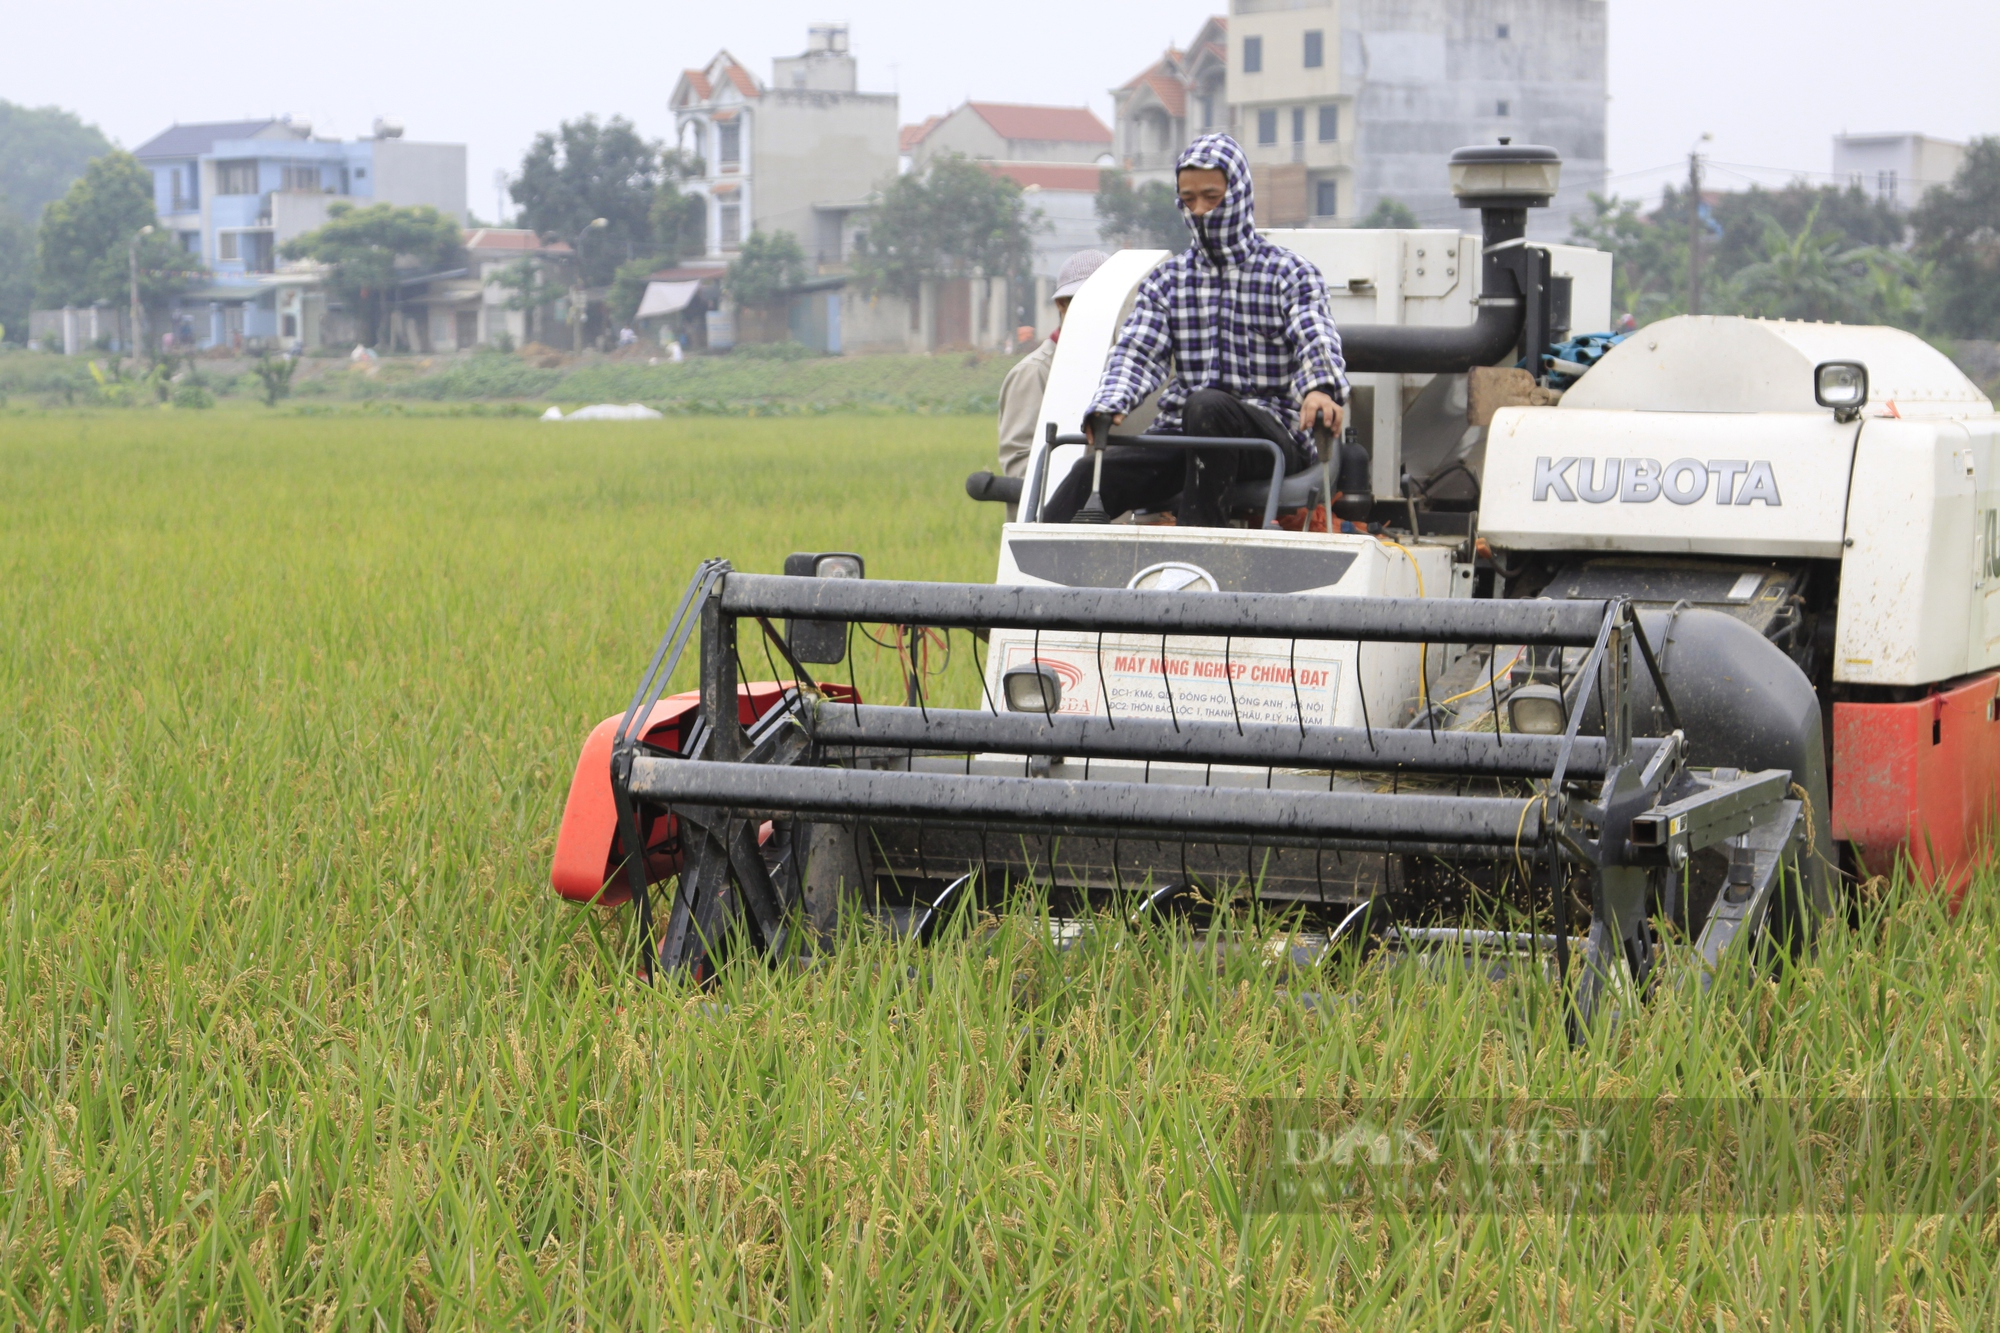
1684, 481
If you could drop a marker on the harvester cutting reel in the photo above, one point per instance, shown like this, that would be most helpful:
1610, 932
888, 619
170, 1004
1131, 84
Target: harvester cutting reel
779, 813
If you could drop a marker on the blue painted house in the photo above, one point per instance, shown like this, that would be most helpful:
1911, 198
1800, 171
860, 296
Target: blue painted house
235, 191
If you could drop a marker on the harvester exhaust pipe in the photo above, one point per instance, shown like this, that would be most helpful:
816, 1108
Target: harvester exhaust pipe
1503, 181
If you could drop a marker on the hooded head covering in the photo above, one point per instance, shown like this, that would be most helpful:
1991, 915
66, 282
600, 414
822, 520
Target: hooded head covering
1228, 233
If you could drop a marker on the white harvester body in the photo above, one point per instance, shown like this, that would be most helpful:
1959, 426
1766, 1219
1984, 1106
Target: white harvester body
1422, 279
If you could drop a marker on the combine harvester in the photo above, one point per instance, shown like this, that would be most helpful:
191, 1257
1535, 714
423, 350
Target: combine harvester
1572, 657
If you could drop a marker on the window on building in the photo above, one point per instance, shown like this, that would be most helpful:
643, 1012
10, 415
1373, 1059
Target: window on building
227, 245
238, 177
1267, 126
1502, 32
1501, 108
302, 179
1885, 185
191, 242
1298, 124
730, 222
1253, 55
1329, 123
1208, 111
729, 145
1326, 199
1315, 49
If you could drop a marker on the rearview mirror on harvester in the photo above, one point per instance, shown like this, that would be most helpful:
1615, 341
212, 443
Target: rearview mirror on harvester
821, 642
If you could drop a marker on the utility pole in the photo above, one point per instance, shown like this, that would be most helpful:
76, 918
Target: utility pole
1694, 225
132, 254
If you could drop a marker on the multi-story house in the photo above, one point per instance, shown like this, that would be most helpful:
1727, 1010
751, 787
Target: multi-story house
801, 155
1056, 155
1341, 104
236, 191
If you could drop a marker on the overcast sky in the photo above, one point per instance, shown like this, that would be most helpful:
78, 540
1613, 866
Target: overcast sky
1773, 80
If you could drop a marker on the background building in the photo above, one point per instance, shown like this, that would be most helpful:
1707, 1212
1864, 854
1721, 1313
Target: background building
235, 191
1341, 104
1895, 168
1055, 154
801, 155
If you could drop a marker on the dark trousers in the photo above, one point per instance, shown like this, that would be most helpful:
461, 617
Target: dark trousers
1150, 478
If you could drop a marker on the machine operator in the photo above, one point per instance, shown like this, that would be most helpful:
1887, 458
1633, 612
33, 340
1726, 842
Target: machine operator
1240, 332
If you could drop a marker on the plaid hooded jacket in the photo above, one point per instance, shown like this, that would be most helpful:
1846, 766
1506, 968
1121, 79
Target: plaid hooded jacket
1231, 312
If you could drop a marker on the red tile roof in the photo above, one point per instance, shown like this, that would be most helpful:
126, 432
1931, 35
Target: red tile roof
1170, 90
511, 238
745, 83
1048, 175
908, 137
698, 80
1067, 124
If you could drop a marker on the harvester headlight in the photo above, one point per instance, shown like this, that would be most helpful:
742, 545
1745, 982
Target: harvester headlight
1537, 710
1842, 386
837, 567
1032, 689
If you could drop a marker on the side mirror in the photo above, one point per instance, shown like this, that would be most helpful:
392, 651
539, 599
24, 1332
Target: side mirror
821, 642
1842, 386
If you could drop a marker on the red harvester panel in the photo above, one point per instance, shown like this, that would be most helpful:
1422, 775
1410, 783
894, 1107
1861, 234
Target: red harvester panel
1920, 780
587, 846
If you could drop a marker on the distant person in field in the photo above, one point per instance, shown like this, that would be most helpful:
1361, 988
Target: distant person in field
1021, 392
1239, 332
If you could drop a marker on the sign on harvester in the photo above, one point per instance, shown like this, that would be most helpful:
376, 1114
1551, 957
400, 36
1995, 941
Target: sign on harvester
1183, 682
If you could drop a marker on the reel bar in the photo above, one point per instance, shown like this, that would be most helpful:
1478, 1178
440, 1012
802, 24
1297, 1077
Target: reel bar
1241, 615
1059, 805
1257, 744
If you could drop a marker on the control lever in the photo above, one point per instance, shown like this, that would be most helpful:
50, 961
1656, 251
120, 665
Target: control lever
1356, 501
1093, 508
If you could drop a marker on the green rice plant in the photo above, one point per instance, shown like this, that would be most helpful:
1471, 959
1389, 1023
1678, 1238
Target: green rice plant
292, 1033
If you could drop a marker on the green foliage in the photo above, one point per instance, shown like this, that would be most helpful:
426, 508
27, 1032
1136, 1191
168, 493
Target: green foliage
1958, 228
679, 221
1855, 218
1388, 214
955, 219
1801, 252
1649, 266
42, 150
586, 170
192, 397
1146, 217
741, 384
768, 265
84, 241
1809, 274
361, 247
274, 377
628, 289
17, 275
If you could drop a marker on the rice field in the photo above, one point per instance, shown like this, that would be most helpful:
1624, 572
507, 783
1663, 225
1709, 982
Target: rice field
292, 1034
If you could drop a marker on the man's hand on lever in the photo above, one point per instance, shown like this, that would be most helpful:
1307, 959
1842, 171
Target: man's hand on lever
1091, 423
1318, 406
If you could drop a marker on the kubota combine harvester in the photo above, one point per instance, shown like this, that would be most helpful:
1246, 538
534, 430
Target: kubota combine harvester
1620, 632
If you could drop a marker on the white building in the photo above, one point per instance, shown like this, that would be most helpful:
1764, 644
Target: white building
1895, 168
801, 155
1343, 103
